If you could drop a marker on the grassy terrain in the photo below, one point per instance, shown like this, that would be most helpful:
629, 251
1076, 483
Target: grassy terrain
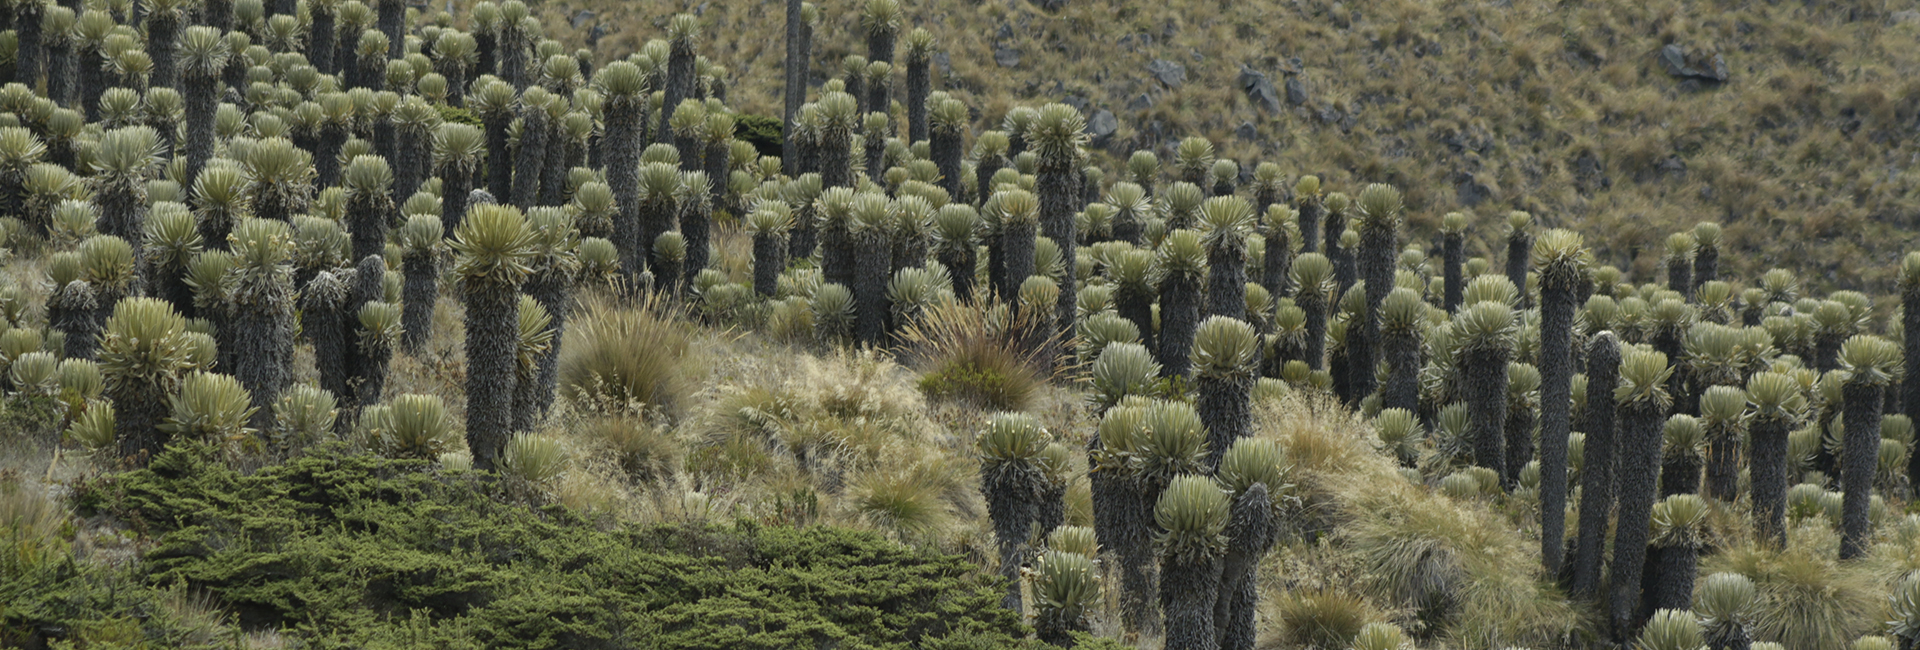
1559, 108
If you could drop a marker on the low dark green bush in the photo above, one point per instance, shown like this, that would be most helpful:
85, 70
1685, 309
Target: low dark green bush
347, 550
761, 131
457, 115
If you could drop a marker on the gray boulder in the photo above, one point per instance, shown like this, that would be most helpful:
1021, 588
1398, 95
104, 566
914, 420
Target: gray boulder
1259, 90
1696, 66
1005, 56
1101, 127
1173, 75
1297, 92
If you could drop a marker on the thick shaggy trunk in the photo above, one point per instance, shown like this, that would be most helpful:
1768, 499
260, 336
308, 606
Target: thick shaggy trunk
1680, 277
70, 310
93, 80
879, 100
412, 161
836, 254
1050, 509
139, 405
1723, 466
491, 315
500, 170
769, 259
263, 350
806, 235
392, 20
1017, 243
623, 177
326, 159
528, 158
1316, 310
370, 374
1519, 248
417, 299
1486, 393
794, 94
872, 259
1346, 270
1251, 532
553, 166
555, 293
1135, 303
1226, 409
1342, 376
1519, 429
1597, 465
1311, 213
1639, 468
368, 277
1453, 256
63, 73
202, 101
945, 149
1010, 490
1124, 530
961, 262
983, 172
323, 323
680, 81
367, 221
321, 39
1706, 265
1556, 404
1859, 452
1179, 317
1667, 581
30, 55
874, 157
1058, 185
1277, 263
1403, 378
836, 164
919, 85
1378, 250
1189, 589
1679, 474
1910, 384
1767, 477
1126, 503
456, 182
1227, 284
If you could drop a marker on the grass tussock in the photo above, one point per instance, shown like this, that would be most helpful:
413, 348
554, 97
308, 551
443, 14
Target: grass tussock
1450, 571
1808, 599
628, 357
986, 357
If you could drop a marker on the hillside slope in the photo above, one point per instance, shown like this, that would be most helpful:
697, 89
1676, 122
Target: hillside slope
1562, 109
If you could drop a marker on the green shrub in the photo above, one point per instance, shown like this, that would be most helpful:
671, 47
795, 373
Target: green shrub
983, 379
762, 131
351, 550
458, 115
